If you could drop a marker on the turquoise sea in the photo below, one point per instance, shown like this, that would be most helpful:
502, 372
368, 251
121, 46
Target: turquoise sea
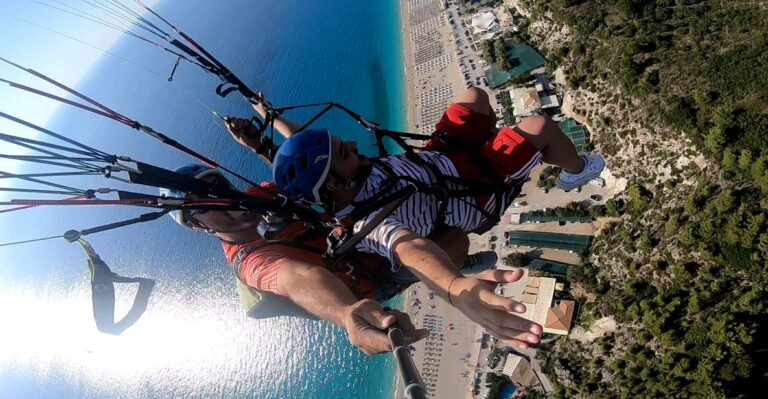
194, 340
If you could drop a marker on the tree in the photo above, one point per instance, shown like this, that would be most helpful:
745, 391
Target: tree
729, 159
724, 201
612, 208
732, 234
686, 235
517, 259
758, 167
691, 206
488, 54
500, 51
745, 160
762, 245
645, 243
751, 230
670, 227
715, 140
638, 196
708, 227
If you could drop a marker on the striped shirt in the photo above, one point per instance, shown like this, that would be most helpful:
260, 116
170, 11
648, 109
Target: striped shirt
419, 212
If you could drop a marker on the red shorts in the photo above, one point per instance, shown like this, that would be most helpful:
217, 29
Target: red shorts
507, 152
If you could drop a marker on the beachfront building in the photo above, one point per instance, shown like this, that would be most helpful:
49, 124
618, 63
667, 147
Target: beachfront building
519, 370
559, 317
528, 101
484, 26
539, 239
537, 293
485, 22
525, 101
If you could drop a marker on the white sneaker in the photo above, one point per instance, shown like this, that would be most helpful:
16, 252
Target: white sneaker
593, 165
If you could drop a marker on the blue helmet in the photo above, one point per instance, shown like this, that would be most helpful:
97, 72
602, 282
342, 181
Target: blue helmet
198, 172
302, 164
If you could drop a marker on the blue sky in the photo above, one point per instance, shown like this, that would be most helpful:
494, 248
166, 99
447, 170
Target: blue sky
32, 46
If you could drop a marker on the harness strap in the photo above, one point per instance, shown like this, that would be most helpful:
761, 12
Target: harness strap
339, 241
222, 90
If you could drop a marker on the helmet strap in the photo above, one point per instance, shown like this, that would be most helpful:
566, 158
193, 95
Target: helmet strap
349, 184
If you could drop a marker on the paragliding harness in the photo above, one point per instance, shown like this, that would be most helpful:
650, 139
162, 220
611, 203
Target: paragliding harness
342, 240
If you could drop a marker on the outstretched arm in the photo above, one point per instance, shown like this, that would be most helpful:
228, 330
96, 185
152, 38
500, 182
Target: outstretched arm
473, 296
319, 292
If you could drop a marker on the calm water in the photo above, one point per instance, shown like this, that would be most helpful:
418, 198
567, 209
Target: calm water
194, 340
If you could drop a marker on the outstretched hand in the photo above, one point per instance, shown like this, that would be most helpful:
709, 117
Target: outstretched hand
475, 297
366, 323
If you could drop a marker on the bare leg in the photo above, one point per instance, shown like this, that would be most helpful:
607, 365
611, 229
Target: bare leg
454, 242
541, 131
476, 100
558, 150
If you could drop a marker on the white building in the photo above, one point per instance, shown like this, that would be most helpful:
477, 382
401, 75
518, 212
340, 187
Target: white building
485, 22
519, 370
550, 101
536, 293
525, 101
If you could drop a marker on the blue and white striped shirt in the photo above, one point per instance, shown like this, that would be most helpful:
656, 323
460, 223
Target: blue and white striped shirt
418, 213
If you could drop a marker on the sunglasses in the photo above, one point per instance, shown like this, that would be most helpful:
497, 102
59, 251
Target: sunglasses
219, 182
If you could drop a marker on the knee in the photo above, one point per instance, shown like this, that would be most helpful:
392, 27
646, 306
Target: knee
475, 99
536, 125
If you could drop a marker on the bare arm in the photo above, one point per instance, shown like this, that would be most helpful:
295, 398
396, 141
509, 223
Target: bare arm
319, 292
426, 260
473, 296
284, 126
246, 133
316, 290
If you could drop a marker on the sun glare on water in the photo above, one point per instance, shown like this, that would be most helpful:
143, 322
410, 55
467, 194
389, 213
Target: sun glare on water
191, 343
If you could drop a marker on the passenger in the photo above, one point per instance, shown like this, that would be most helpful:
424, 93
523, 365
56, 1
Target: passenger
320, 168
276, 266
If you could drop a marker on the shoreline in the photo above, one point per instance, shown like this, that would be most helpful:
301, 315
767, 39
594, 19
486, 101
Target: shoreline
408, 66
410, 115
409, 94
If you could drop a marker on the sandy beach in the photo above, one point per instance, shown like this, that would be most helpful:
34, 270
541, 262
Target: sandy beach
409, 67
432, 56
